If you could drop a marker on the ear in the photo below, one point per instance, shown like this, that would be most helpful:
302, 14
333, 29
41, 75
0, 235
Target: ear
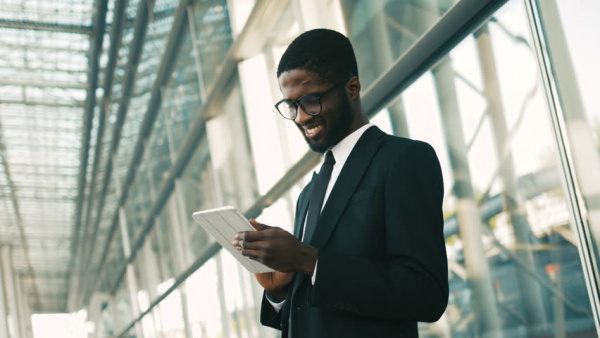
353, 88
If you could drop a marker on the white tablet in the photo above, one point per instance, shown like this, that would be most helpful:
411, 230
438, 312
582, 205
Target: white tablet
223, 223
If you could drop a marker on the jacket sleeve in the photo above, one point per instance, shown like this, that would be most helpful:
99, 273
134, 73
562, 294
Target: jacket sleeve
411, 283
268, 315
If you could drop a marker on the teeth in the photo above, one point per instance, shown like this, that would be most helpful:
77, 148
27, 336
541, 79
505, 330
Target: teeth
312, 130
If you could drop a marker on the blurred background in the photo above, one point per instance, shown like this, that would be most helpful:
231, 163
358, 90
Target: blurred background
120, 118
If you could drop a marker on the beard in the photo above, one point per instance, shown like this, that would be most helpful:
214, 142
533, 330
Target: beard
336, 128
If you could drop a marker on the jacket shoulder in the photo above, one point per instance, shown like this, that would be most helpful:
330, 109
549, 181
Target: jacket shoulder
397, 144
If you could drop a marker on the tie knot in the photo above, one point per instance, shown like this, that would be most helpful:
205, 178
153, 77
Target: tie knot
329, 159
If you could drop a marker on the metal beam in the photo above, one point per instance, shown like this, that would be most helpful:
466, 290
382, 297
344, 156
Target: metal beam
439, 40
99, 26
29, 47
135, 51
45, 26
43, 165
41, 129
96, 41
23, 198
16, 210
51, 274
249, 42
43, 146
157, 15
48, 237
38, 187
165, 69
37, 83
115, 43
73, 104
70, 115
42, 69
52, 177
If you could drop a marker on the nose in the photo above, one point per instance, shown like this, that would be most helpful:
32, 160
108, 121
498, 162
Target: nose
301, 116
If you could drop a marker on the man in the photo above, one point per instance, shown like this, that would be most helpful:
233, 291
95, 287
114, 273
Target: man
370, 260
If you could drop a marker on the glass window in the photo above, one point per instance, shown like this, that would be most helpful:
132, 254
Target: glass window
514, 266
570, 36
230, 157
382, 30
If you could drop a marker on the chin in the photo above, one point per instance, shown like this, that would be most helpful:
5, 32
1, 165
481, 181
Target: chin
318, 147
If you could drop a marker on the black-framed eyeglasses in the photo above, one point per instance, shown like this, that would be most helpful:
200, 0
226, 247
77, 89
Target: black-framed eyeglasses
310, 103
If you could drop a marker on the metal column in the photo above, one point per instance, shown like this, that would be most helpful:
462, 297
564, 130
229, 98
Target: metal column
178, 227
478, 271
4, 332
221, 294
10, 292
94, 312
151, 278
469, 221
24, 315
130, 272
383, 60
181, 259
512, 199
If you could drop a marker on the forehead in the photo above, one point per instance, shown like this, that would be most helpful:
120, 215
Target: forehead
297, 82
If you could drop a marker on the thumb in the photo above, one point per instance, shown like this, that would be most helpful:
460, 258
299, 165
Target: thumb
258, 226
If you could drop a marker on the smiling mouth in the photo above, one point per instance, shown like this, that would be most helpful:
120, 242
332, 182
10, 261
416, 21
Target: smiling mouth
313, 131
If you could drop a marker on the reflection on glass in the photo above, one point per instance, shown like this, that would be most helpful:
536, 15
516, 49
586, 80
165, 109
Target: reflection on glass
382, 30
514, 265
570, 35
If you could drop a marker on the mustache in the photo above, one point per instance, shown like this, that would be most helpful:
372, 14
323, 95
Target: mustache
315, 121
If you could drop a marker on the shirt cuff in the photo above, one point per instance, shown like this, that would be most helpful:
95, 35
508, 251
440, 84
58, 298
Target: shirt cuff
314, 275
276, 305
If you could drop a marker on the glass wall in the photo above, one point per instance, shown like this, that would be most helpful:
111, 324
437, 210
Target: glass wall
573, 83
519, 163
514, 265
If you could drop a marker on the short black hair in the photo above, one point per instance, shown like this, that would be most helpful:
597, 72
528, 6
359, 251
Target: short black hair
325, 52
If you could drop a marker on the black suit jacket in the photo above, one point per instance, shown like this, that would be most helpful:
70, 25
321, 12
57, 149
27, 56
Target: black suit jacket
382, 259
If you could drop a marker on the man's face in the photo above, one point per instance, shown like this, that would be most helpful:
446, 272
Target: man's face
333, 123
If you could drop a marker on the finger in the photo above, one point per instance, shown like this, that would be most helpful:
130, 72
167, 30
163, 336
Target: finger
255, 224
257, 246
262, 274
239, 236
251, 236
252, 254
259, 226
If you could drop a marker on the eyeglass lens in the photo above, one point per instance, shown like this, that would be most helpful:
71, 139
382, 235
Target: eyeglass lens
309, 103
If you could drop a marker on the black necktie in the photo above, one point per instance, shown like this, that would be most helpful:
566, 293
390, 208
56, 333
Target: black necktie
318, 195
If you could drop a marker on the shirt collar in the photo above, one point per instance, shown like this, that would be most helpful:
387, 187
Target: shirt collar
342, 150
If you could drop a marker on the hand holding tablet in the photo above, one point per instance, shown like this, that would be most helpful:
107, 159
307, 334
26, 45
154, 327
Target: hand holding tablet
223, 224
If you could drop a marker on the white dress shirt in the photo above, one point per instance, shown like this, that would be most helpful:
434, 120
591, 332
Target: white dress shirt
341, 151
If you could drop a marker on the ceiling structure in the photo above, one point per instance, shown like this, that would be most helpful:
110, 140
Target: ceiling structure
79, 80
44, 84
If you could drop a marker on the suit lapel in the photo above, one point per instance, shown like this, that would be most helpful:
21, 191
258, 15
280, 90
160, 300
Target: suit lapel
346, 184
